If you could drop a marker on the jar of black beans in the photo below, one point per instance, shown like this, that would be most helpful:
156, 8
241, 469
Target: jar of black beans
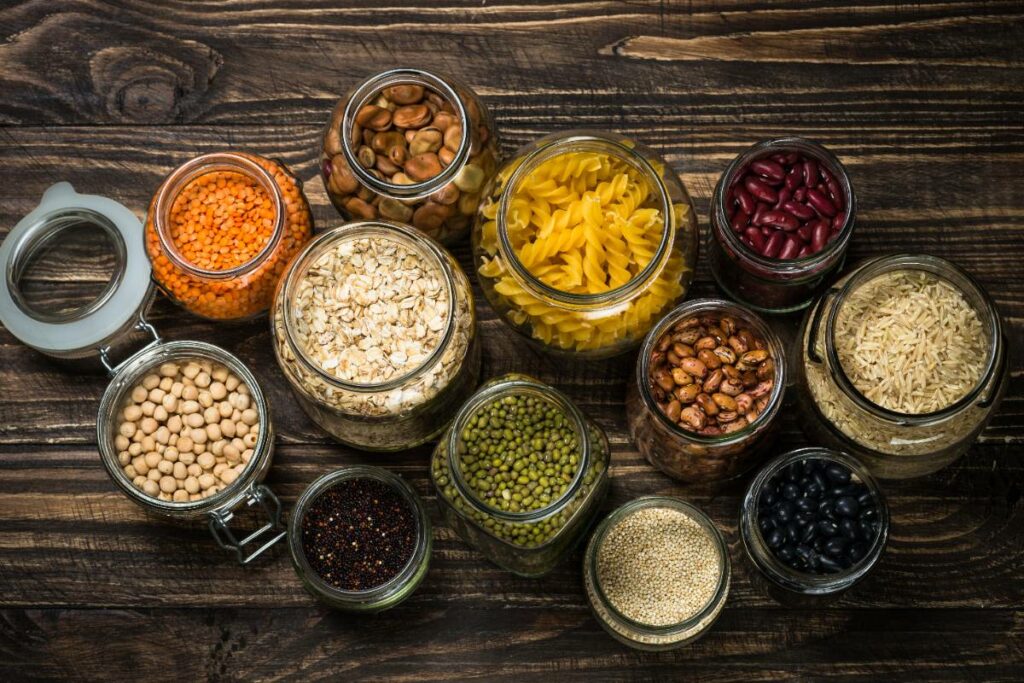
814, 522
360, 539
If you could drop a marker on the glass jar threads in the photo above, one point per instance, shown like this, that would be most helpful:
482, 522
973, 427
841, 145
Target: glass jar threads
583, 241
520, 474
375, 330
360, 539
407, 145
657, 573
709, 384
221, 229
782, 216
902, 363
813, 523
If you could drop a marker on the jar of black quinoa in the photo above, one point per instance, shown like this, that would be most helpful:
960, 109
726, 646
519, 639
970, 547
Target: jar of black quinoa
814, 523
360, 539
520, 474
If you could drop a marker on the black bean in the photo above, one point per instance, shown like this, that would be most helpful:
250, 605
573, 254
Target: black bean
813, 490
785, 553
857, 552
793, 532
837, 473
784, 512
766, 523
805, 504
774, 538
793, 472
865, 498
808, 533
847, 506
827, 527
835, 546
791, 491
829, 564
819, 479
849, 528
868, 529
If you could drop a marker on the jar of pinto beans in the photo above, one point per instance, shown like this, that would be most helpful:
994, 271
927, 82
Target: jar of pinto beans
220, 231
410, 146
782, 216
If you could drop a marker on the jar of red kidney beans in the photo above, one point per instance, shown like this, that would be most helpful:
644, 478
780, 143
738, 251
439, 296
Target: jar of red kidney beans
781, 219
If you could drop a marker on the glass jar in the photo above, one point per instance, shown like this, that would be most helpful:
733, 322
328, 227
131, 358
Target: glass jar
640, 218
783, 583
237, 292
388, 594
773, 285
407, 409
643, 636
690, 456
525, 543
366, 163
109, 327
894, 445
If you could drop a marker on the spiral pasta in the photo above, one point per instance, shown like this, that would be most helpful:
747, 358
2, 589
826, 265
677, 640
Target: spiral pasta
581, 223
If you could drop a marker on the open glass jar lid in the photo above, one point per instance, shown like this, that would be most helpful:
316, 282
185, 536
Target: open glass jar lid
183, 428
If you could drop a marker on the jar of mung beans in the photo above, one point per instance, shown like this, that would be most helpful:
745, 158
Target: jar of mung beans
583, 241
184, 429
410, 146
221, 229
956, 336
520, 474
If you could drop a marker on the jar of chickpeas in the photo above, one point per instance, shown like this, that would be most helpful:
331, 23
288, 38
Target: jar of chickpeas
583, 241
183, 428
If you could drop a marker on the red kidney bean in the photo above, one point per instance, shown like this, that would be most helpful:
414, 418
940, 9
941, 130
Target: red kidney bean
819, 236
805, 251
805, 230
800, 194
810, 172
758, 217
779, 157
784, 195
837, 222
790, 249
774, 244
755, 239
801, 211
780, 219
747, 203
760, 189
740, 220
772, 170
834, 193
794, 178
820, 203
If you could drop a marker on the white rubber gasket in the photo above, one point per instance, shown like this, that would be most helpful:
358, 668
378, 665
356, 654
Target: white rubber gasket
120, 305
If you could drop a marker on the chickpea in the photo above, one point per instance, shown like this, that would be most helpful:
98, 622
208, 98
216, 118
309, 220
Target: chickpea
205, 399
180, 496
206, 460
194, 420
174, 423
151, 487
219, 469
217, 447
213, 432
247, 455
220, 373
190, 407
160, 414
121, 442
211, 415
148, 425
164, 496
154, 475
169, 369
176, 390
169, 402
147, 408
124, 458
168, 485
139, 393
165, 384
135, 449
206, 481
162, 435
157, 394
203, 380
250, 416
199, 436
139, 481
139, 463
224, 409
194, 470
238, 443
250, 439
218, 391
132, 413
165, 466
126, 429
232, 454
194, 497
191, 370
228, 476
129, 471
243, 389
179, 470
185, 444
227, 428
187, 458
191, 484
241, 429
240, 400
152, 459
231, 383
189, 393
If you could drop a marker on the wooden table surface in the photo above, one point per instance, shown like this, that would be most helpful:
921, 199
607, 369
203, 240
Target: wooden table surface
924, 103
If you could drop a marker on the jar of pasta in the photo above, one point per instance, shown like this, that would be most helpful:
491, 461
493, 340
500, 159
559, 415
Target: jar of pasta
410, 146
521, 474
375, 330
583, 241
902, 363
220, 231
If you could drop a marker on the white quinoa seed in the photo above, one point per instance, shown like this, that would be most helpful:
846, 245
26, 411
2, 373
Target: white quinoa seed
658, 566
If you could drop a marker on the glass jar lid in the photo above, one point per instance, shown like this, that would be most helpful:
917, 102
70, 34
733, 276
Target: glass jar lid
90, 329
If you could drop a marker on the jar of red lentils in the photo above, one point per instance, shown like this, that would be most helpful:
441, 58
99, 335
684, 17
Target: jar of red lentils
221, 229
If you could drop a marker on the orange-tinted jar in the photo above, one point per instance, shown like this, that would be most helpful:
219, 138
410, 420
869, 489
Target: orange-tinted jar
220, 230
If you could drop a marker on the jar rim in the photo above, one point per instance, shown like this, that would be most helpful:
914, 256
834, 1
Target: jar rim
373, 86
506, 386
787, 577
785, 266
938, 268
324, 483
147, 360
180, 177
402, 234
722, 307
558, 144
622, 513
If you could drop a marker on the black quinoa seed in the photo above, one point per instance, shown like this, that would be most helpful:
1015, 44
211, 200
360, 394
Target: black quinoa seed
358, 534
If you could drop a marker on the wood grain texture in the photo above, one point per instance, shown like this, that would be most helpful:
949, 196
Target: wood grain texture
924, 103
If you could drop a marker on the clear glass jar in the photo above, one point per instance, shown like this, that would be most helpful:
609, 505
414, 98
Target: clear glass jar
783, 583
590, 325
110, 327
500, 535
686, 455
643, 636
408, 409
358, 164
388, 594
243, 291
774, 285
894, 445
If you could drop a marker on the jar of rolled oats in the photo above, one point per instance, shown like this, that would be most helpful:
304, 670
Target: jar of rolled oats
375, 330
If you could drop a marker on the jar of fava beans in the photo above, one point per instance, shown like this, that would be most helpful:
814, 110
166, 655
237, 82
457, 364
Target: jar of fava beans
183, 429
410, 146
520, 474
220, 231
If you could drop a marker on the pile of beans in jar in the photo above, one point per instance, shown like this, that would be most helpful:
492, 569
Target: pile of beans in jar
187, 431
817, 517
711, 376
786, 206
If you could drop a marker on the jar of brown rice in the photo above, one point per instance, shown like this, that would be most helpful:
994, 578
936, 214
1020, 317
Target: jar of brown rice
902, 363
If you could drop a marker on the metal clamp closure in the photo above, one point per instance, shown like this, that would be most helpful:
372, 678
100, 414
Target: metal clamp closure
141, 325
263, 538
